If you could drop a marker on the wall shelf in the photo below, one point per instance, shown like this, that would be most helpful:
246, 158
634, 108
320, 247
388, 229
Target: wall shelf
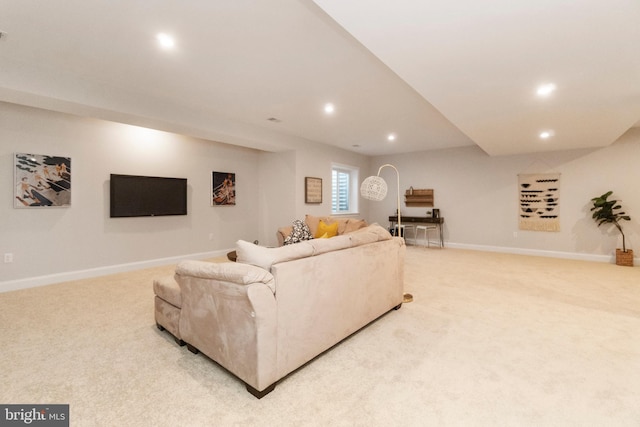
418, 197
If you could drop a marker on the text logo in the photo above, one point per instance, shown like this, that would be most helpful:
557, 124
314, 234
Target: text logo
34, 415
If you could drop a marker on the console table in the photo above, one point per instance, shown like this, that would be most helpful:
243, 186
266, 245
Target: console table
420, 220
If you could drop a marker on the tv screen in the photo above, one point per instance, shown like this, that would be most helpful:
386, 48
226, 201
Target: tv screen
133, 195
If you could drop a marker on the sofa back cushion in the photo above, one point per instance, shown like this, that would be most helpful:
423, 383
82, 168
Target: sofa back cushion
321, 246
249, 253
345, 225
260, 256
354, 225
369, 234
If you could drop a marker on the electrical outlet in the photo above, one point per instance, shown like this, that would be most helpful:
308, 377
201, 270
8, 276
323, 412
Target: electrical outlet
210, 236
8, 258
515, 234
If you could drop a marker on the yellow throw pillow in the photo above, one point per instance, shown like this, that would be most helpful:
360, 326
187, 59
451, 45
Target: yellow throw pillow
330, 230
324, 236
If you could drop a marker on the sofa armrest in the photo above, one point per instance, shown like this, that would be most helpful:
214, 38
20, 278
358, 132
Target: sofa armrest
238, 273
282, 234
229, 313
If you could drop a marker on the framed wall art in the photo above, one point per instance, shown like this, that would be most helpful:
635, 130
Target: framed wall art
42, 181
223, 189
312, 190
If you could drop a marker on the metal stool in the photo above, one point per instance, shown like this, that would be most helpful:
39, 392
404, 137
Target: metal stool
426, 229
403, 231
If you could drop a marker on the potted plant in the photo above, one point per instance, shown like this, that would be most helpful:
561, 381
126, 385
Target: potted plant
608, 212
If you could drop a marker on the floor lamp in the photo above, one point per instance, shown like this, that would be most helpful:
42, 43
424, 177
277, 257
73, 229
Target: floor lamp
375, 188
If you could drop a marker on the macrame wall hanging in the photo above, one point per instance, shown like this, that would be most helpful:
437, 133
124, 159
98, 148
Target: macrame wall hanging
539, 205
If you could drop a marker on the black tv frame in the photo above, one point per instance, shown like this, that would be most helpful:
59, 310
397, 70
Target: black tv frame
139, 196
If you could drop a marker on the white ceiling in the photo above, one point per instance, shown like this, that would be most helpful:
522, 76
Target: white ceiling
437, 74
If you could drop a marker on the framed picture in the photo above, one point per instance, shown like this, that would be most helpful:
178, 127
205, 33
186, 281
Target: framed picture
42, 181
223, 189
312, 190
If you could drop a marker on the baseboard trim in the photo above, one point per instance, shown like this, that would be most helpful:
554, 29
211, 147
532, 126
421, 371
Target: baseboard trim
537, 252
32, 282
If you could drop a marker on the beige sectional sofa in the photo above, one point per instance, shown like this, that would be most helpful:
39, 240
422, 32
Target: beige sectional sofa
277, 308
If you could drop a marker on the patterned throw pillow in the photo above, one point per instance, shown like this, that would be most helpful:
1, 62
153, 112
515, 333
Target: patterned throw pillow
299, 233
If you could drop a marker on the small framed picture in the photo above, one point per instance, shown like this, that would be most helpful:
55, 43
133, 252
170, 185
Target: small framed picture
312, 190
223, 189
42, 181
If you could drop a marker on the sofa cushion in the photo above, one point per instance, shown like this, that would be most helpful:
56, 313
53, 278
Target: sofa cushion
249, 253
299, 233
167, 288
370, 234
345, 225
354, 225
313, 221
323, 228
321, 246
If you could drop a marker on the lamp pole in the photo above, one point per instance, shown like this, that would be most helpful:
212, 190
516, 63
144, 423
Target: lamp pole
398, 193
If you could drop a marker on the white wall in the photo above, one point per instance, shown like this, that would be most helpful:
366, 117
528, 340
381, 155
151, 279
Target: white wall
282, 178
46, 242
277, 193
478, 196
55, 244
317, 162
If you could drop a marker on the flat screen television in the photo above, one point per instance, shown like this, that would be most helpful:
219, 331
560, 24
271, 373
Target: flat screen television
132, 195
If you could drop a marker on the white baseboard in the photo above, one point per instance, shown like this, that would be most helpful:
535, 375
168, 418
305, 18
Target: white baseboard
537, 252
32, 282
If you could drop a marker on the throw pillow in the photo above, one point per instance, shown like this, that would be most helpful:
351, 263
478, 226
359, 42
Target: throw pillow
313, 221
329, 229
299, 233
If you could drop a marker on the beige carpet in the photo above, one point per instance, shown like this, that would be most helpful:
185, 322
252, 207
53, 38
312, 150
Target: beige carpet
490, 340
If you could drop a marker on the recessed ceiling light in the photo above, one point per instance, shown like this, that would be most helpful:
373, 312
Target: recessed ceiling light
546, 89
329, 108
546, 134
391, 137
165, 41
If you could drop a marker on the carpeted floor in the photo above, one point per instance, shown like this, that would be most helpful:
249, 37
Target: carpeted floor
490, 340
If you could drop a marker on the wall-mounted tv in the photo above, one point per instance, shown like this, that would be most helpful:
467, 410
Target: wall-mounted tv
133, 195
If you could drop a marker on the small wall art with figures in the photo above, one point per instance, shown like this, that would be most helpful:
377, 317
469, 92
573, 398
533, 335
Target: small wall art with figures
223, 188
42, 181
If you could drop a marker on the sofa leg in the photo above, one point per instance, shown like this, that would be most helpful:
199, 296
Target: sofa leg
263, 393
178, 340
397, 307
192, 349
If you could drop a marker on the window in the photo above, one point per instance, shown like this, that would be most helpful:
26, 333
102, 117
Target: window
344, 189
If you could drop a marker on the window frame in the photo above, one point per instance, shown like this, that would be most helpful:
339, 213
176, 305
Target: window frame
352, 189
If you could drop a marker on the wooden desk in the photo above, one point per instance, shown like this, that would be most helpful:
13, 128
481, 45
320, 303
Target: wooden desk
420, 220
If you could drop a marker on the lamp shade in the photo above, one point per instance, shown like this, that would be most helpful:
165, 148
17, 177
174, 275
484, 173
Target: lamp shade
373, 188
